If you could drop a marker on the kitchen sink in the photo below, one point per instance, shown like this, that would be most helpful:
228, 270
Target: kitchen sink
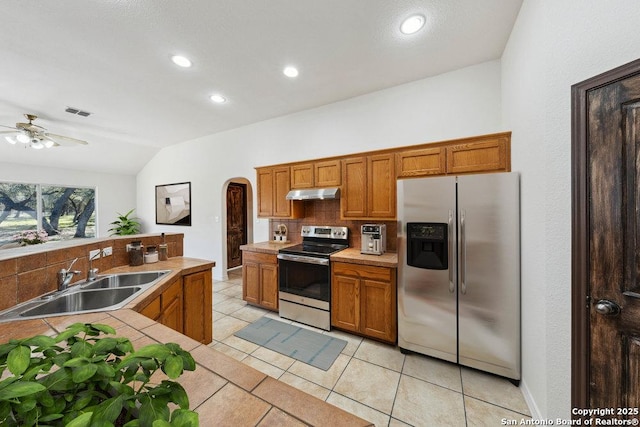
124, 280
109, 292
82, 301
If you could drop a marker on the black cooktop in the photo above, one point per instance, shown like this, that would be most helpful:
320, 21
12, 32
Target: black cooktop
313, 249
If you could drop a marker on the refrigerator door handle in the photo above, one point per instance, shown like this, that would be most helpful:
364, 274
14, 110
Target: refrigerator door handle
452, 285
463, 253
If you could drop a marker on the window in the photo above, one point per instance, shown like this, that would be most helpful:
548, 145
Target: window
62, 212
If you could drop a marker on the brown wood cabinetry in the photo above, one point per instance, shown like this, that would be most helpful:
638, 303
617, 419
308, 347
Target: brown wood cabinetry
484, 155
186, 306
154, 309
368, 180
363, 300
172, 307
167, 308
273, 186
369, 187
198, 306
423, 162
260, 279
316, 175
302, 176
327, 174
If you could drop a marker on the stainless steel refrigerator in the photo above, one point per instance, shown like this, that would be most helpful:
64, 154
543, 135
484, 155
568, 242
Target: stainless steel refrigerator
459, 270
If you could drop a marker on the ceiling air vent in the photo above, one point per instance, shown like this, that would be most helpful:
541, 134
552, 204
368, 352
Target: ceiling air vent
78, 112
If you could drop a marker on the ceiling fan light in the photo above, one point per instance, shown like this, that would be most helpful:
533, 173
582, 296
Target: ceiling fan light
47, 143
23, 138
37, 144
11, 140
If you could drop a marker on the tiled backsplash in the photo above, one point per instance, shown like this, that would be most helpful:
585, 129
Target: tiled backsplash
327, 212
29, 275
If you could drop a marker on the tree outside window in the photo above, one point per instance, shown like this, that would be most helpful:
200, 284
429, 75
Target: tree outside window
62, 212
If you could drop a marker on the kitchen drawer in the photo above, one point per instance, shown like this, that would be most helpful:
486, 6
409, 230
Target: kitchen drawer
363, 271
259, 257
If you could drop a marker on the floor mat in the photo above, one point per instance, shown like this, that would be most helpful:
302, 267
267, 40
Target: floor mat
302, 344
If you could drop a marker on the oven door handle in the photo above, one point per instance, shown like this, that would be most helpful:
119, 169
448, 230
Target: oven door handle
304, 259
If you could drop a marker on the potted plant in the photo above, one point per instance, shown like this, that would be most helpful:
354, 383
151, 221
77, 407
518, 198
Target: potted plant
30, 237
80, 378
124, 225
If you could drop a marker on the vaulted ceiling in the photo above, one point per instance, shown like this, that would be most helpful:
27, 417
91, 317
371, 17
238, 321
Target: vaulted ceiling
112, 58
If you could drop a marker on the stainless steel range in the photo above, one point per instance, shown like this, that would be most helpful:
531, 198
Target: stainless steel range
304, 276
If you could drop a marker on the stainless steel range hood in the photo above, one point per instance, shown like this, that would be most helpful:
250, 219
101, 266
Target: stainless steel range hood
314, 194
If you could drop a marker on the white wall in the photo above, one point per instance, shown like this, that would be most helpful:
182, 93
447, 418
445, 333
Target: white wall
114, 193
457, 104
554, 45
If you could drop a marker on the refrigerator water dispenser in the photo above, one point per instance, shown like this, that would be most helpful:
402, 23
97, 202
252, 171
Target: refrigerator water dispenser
427, 245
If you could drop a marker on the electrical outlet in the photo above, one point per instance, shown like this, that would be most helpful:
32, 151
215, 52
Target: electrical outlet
94, 254
107, 251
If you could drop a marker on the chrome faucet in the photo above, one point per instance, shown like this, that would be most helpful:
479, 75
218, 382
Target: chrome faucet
91, 273
65, 276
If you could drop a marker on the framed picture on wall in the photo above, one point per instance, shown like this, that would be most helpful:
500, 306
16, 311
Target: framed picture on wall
173, 204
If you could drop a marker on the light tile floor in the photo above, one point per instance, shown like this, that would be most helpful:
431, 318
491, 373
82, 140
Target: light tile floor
372, 380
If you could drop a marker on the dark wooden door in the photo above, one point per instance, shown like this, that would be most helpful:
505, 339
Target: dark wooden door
236, 223
611, 247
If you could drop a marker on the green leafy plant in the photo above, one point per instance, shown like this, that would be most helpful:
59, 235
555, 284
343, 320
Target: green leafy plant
125, 226
79, 378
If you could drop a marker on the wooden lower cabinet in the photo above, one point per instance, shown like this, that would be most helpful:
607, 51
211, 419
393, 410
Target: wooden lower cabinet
186, 306
260, 279
363, 300
173, 307
198, 306
167, 308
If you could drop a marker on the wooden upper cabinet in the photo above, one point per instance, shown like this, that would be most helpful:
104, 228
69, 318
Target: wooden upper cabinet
381, 188
265, 192
273, 185
316, 175
423, 162
327, 174
369, 187
490, 154
282, 185
302, 176
353, 200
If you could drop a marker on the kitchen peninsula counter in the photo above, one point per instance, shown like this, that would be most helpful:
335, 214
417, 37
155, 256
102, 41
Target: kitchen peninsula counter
222, 390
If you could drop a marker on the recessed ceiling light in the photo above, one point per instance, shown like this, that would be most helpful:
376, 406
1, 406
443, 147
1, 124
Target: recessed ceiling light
412, 24
290, 72
181, 61
218, 99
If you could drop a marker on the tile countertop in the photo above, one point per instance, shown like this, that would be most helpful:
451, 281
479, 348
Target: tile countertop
222, 390
353, 256
350, 255
267, 247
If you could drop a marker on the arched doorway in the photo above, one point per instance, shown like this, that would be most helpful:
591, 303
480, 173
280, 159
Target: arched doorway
236, 222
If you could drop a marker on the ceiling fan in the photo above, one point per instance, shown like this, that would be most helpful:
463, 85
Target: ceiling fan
36, 136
